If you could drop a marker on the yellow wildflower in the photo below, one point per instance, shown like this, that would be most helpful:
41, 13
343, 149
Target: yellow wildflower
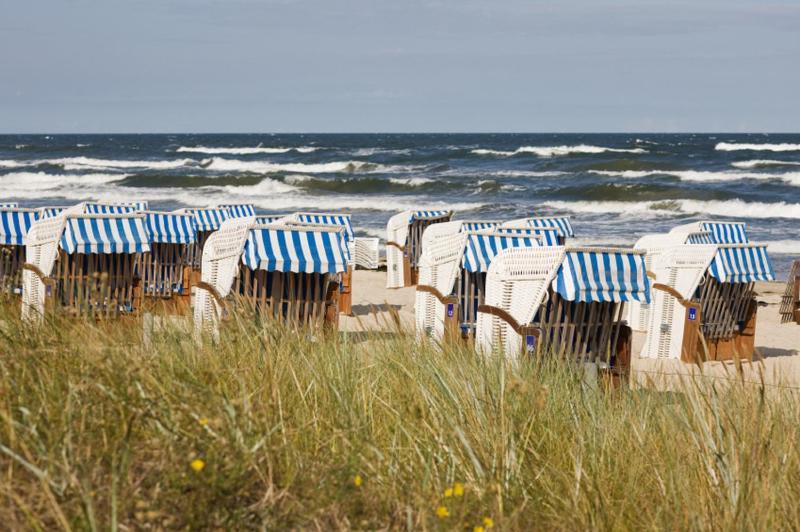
458, 489
197, 464
442, 512
203, 421
357, 481
478, 529
488, 521
448, 492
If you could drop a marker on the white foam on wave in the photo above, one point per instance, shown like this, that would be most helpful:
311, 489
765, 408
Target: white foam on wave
764, 162
739, 208
734, 146
12, 164
527, 173
550, 151
411, 181
38, 184
367, 152
261, 167
782, 247
82, 163
243, 150
792, 178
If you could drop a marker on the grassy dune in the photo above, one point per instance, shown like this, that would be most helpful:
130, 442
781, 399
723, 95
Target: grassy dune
274, 428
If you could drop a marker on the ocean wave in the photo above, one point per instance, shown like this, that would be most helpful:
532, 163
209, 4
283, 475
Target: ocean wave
261, 167
411, 181
244, 150
792, 178
764, 162
734, 146
736, 207
81, 163
525, 173
368, 152
782, 247
550, 151
35, 184
12, 164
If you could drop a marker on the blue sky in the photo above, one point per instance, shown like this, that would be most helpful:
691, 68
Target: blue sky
402, 65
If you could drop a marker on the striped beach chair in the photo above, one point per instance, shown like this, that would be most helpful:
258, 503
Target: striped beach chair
404, 244
114, 208
9, 205
718, 232
239, 210
167, 270
288, 272
206, 221
561, 224
88, 264
790, 302
267, 219
704, 305
562, 301
14, 225
452, 277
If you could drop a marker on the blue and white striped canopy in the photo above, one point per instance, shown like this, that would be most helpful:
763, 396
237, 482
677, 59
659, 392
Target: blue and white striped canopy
295, 250
549, 236
239, 210
266, 219
108, 208
9, 205
105, 234
602, 276
426, 215
481, 249
699, 238
14, 225
477, 226
208, 219
726, 232
742, 264
562, 223
328, 219
50, 212
170, 228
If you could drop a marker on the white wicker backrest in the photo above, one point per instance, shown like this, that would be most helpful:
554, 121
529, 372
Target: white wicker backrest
517, 282
221, 255
439, 266
397, 232
682, 268
41, 251
366, 252
654, 246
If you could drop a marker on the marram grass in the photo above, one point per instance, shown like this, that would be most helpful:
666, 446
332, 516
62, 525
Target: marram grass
273, 428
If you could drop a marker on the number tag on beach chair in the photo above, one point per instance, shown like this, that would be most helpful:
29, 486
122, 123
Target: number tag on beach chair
692, 313
450, 310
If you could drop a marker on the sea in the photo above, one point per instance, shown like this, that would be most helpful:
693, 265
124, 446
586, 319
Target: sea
615, 187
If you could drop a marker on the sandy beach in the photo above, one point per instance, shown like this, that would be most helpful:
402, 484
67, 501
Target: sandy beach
375, 308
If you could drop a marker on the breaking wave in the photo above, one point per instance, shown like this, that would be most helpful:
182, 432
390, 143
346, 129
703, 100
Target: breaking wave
36, 184
81, 163
734, 146
792, 178
735, 207
764, 162
243, 150
260, 167
550, 151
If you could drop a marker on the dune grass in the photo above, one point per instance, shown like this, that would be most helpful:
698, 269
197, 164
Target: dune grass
274, 428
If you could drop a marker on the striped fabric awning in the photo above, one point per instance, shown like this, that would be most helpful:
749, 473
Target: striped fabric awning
50, 212
14, 225
295, 250
342, 220
481, 249
105, 234
742, 264
603, 275
208, 219
549, 236
108, 208
476, 225
170, 228
699, 238
239, 210
428, 215
266, 219
9, 205
726, 232
562, 223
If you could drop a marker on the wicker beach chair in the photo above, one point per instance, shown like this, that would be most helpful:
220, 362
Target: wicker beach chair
206, 221
167, 270
404, 244
563, 301
452, 277
704, 305
88, 264
14, 226
790, 302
